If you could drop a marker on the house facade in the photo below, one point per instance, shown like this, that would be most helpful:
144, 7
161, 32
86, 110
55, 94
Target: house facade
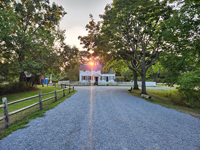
92, 74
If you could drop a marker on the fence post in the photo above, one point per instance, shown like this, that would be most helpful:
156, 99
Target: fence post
73, 88
55, 95
40, 100
4, 99
63, 92
69, 89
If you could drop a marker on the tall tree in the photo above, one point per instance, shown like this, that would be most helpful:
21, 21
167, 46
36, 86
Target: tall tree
36, 29
137, 26
181, 60
69, 57
83, 57
182, 41
93, 30
7, 25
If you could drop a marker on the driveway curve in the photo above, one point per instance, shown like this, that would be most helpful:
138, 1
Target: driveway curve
107, 118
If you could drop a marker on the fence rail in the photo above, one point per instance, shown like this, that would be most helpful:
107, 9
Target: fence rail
5, 104
2, 106
21, 100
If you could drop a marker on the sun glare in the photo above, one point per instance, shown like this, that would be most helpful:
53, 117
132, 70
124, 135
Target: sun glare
91, 63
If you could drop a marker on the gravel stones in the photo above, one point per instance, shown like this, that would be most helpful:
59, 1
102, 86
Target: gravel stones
101, 117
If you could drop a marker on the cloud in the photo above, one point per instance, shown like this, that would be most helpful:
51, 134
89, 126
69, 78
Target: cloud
72, 36
78, 16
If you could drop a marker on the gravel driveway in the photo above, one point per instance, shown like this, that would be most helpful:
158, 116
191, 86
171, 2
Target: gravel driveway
107, 118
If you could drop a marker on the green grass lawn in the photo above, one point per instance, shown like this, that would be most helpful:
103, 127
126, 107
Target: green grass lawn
167, 98
20, 119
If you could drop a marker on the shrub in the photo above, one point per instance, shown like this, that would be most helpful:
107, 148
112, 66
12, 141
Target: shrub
15, 87
73, 78
119, 79
159, 80
188, 99
191, 98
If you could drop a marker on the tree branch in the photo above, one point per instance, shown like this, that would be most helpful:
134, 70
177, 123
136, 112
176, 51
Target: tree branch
152, 61
124, 61
152, 31
153, 50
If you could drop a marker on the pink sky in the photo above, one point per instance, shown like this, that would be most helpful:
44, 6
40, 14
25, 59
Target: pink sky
78, 16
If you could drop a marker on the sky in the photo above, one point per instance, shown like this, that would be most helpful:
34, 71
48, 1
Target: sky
77, 17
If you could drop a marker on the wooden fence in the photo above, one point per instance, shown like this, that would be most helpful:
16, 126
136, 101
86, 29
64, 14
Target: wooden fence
5, 104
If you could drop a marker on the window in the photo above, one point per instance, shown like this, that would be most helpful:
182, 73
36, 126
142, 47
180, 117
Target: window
104, 78
90, 77
83, 77
101, 78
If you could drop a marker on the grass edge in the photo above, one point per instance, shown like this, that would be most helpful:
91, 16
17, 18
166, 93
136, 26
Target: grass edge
20, 124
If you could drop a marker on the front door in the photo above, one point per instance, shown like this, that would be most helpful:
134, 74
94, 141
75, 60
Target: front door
96, 81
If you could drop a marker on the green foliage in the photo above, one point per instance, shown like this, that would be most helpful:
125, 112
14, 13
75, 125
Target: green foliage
69, 56
116, 65
171, 98
71, 72
190, 87
93, 30
73, 78
119, 78
128, 75
181, 60
27, 44
83, 57
15, 87
134, 32
154, 71
24, 117
182, 43
95, 44
189, 81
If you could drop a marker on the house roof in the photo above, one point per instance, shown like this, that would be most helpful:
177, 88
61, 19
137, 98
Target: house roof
89, 67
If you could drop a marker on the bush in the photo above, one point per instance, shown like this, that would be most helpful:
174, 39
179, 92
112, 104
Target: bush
119, 79
183, 98
15, 87
73, 78
159, 80
191, 98
180, 98
190, 88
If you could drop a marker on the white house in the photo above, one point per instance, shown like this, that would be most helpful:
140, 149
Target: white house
92, 74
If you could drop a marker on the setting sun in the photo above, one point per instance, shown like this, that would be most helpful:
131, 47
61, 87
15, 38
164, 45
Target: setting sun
91, 63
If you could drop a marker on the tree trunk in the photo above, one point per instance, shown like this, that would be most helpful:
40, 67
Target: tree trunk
21, 77
135, 80
143, 75
156, 77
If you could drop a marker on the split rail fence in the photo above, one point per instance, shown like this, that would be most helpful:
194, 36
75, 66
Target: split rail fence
5, 104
